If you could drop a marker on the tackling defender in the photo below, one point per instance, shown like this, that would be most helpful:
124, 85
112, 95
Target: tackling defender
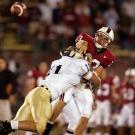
102, 58
65, 73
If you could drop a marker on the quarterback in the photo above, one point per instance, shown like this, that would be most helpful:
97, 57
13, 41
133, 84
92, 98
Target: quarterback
102, 58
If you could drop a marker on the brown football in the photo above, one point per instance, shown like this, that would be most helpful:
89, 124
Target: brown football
17, 8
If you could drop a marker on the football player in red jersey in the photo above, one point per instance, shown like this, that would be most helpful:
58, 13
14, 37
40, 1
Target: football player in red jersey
102, 58
98, 47
127, 113
103, 113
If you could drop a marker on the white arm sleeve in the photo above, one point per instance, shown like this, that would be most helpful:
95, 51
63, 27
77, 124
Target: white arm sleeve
85, 67
88, 75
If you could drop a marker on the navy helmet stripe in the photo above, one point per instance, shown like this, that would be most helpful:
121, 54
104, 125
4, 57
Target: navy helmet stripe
108, 30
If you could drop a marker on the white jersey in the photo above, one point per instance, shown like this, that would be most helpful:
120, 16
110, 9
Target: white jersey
65, 73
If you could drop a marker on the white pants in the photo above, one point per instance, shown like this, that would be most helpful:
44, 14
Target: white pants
79, 106
126, 116
5, 110
103, 113
72, 114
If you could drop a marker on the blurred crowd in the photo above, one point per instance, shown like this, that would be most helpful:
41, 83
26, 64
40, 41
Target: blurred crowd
53, 24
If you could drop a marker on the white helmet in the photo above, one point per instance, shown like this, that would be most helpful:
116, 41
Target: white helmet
130, 72
127, 72
133, 72
108, 32
130, 75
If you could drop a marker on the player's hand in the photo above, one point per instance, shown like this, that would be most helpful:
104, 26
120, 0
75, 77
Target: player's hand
89, 58
82, 46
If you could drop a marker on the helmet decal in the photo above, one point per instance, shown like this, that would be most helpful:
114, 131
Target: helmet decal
103, 41
108, 30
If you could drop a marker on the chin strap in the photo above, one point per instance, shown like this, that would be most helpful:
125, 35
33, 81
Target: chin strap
99, 46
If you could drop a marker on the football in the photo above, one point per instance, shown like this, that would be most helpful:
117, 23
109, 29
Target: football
18, 8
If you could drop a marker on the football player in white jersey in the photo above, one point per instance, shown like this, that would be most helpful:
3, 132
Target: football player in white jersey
36, 109
81, 110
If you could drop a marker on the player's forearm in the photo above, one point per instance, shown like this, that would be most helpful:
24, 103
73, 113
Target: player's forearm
81, 126
93, 77
99, 70
96, 79
27, 125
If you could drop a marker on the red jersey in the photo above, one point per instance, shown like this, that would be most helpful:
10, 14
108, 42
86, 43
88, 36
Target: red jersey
104, 93
34, 73
128, 93
104, 58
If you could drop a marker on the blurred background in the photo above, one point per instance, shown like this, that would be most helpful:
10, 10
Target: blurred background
29, 43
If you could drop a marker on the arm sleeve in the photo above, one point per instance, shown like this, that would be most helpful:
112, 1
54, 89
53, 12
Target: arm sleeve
83, 36
79, 37
107, 64
85, 67
88, 75
109, 61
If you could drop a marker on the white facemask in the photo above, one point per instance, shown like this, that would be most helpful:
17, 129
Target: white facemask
98, 46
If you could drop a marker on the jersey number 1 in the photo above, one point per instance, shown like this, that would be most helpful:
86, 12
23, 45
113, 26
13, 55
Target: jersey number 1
58, 69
